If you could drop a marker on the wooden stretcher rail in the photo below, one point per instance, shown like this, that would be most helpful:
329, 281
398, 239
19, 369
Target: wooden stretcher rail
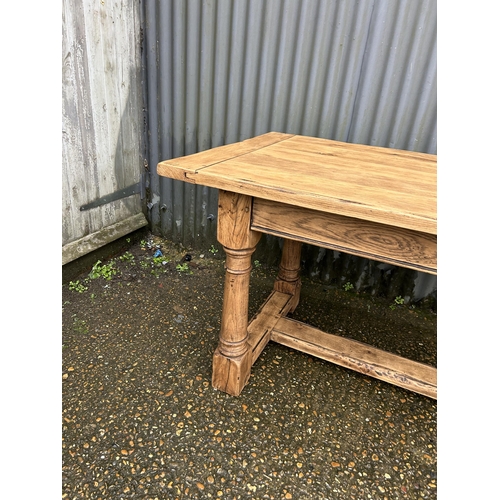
274, 308
270, 323
357, 356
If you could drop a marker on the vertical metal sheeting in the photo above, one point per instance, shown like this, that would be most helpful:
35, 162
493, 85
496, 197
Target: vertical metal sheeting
220, 71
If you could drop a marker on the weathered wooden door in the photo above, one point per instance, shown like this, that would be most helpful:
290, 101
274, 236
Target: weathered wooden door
104, 175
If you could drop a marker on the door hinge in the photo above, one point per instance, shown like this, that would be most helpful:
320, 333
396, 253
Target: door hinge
138, 188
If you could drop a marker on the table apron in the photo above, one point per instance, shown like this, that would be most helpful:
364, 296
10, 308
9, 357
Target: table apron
380, 242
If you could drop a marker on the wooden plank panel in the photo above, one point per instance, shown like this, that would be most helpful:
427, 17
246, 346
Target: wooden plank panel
392, 198
378, 168
388, 157
402, 372
102, 150
358, 237
383, 185
87, 244
259, 329
186, 168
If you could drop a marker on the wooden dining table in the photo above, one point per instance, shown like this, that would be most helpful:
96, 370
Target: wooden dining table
373, 202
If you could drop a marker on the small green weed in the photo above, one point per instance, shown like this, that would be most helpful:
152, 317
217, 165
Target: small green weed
183, 268
80, 325
348, 286
100, 270
159, 261
156, 263
213, 250
126, 257
256, 263
398, 301
76, 286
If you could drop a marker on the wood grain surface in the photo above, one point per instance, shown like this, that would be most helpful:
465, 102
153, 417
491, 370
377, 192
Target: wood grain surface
357, 356
385, 185
390, 244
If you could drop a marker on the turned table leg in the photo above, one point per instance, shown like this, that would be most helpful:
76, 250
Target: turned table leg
288, 280
232, 359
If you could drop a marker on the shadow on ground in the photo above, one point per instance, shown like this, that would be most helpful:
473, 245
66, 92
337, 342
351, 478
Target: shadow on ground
141, 420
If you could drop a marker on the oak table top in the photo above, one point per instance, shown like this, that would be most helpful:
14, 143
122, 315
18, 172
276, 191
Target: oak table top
382, 185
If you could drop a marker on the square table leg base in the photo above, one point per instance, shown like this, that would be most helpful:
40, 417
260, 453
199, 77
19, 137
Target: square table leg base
230, 375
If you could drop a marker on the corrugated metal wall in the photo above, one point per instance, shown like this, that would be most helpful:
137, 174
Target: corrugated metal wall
220, 71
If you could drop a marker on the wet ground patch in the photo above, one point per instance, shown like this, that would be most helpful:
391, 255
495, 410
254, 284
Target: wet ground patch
141, 420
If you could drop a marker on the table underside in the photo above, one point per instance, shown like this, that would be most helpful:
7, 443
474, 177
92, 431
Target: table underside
384, 243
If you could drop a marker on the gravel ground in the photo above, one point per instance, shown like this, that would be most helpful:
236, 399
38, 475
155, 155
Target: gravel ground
141, 420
